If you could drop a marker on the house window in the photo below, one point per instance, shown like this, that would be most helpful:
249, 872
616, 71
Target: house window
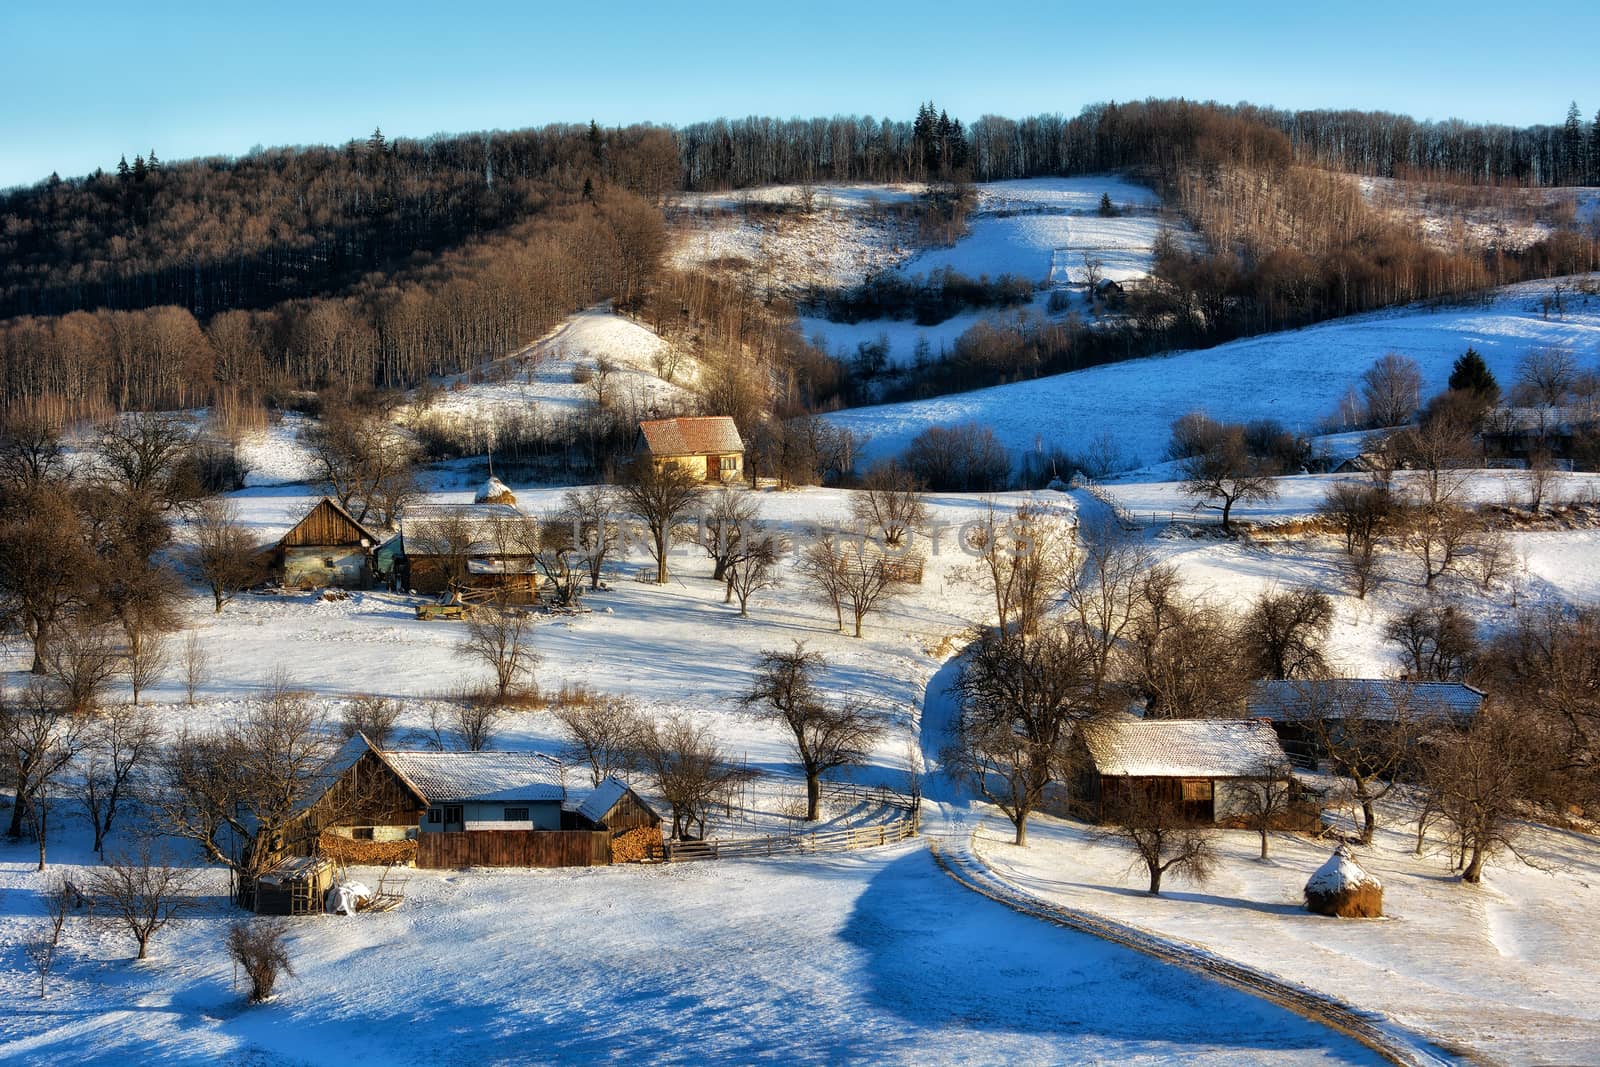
433, 816
1197, 789
730, 463
516, 815
362, 833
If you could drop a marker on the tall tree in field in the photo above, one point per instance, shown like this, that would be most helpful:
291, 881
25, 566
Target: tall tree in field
1224, 473
224, 553
825, 736
47, 568
658, 495
1392, 390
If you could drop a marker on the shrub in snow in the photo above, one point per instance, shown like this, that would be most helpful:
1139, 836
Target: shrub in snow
1342, 888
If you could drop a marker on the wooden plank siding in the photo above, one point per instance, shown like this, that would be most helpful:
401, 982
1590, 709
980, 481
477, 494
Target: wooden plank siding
325, 525
514, 848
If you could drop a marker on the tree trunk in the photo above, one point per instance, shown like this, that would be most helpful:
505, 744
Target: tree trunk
216, 595
858, 625
661, 557
1227, 529
1263, 843
1474, 871
1021, 823
38, 652
1155, 879
1369, 820
144, 944
813, 797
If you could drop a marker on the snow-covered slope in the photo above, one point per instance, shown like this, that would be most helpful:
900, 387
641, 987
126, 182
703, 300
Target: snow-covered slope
1296, 377
541, 376
1039, 229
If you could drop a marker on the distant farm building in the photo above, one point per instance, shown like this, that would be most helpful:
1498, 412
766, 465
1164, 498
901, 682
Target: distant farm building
475, 809
326, 548
1304, 713
488, 548
709, 447
1202, 767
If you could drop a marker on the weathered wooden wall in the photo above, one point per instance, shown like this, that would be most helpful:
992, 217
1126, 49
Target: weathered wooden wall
515, 848
323, 526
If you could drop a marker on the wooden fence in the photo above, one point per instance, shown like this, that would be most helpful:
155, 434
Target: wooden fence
844, 840
515, 848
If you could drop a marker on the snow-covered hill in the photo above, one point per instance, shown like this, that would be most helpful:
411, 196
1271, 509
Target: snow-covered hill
1296, 377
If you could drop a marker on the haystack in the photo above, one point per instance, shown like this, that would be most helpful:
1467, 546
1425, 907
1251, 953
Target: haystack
494, 491
1342, 888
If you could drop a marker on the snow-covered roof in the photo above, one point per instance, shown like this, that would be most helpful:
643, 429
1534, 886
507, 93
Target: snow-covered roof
691, 436
456, 776
1184, 748
496, 528
603, 798
1371, 698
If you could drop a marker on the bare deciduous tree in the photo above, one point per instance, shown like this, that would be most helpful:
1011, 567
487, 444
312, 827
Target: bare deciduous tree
374, 717
1367, 733
1027, 560
142, 892
601, 733
1181, 655
1392, 390
42, 949
1224, 473
1364, 515
1438, 642
1478, 778
364, 461
890, 502
755, 568
501, 637
37, 739
825, 736
119, 744
687, 767
224, 553
1266, 800
1283, 633
1021, 698
733, 517
1164, 839
47, 568
196, 666
592, 512
82, 661
659, 494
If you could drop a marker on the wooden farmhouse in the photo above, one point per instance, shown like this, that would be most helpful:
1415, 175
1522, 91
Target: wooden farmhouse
326, 548
480, 547
1202, 766
709, 447
474, 809
1306, 713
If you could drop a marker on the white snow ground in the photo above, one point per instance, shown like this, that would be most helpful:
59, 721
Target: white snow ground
1296, 377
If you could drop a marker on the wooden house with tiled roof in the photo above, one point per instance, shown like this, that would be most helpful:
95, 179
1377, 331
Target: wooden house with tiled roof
709, 446
328, 547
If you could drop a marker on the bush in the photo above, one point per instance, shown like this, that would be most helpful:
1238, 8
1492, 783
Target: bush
962, 459
258, 947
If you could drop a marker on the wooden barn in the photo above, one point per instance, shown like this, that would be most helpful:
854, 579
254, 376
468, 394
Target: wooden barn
1203, 766
709, 447
326, 548
1305, 712
479, 547
473, 809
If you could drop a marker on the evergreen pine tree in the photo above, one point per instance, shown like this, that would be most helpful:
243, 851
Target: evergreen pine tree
138, 168
1594, 151
151, 163
1471, 374
588, 188
1572, 147
376, 145
122, 168
596, 141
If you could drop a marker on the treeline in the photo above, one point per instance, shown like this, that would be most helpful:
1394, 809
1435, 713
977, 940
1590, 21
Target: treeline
1149, 133
209, 235
462, 308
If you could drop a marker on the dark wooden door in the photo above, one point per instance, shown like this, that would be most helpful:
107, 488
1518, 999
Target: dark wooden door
713, 469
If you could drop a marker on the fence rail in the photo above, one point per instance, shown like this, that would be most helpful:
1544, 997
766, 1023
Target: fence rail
514, 848
846, 839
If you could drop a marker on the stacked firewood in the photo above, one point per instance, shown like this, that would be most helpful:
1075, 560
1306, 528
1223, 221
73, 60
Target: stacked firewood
637, 845
366, 853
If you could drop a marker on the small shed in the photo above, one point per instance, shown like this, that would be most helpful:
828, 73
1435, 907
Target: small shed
327, 547
1203, 766
614, 806
295, 886
708, 446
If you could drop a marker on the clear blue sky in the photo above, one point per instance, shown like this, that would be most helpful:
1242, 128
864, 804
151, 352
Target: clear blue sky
82, 82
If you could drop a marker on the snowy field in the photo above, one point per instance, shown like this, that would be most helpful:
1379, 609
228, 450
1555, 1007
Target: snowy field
1296, 377
541, 376
1038, 229
1502, 969
868, 958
